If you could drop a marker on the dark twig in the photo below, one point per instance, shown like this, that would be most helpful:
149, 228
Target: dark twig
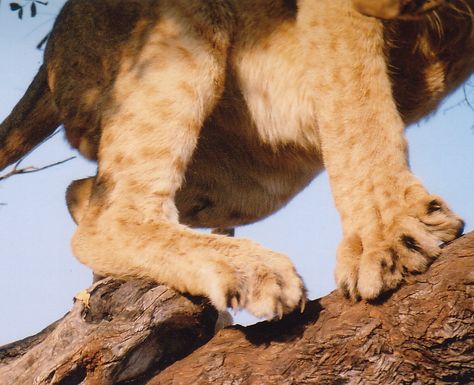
467, 101
43, 41
31, 169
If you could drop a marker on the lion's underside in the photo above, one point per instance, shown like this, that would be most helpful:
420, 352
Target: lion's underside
233, 181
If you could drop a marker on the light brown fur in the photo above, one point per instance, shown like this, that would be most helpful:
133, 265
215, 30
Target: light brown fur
215, 114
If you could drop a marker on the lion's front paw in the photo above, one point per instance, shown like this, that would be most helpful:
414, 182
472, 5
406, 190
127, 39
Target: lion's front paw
273, 288
265, 283
375, 261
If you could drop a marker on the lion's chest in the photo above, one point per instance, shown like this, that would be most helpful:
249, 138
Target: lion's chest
278, 94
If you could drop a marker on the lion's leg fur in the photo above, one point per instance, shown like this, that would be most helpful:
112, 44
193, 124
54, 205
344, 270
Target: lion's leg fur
385, 211
77, 198
130, 227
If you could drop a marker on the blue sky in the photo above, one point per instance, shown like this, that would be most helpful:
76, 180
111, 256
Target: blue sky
38, 274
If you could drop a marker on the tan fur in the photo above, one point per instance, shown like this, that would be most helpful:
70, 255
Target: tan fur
215, 114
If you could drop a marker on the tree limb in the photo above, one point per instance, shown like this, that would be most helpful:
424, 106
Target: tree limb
422, 334
135, 332
125, 331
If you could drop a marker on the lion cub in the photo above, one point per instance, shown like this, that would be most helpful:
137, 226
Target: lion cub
216, 113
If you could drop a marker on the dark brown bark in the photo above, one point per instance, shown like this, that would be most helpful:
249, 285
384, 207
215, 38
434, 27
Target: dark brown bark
422, 334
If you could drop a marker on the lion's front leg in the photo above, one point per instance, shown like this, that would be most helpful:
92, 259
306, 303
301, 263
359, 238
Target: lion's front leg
130, 227
392, 226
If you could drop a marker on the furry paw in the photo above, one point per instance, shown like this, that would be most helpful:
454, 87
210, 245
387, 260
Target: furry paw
274, 288
264, 282
375, 262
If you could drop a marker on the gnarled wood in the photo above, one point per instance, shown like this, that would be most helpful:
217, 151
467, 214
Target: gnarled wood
126, 331
132, 331
422, 334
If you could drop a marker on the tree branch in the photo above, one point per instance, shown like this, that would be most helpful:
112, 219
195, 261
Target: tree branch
125, 331
422, 334
136, 333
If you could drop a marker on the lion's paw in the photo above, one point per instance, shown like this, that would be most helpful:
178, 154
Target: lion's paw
265, 284
376, 262
274, 288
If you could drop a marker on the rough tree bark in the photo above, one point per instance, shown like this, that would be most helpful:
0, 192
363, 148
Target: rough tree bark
124, 331
138, 333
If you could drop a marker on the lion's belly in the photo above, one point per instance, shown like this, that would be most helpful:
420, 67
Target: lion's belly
233, 180
258, 149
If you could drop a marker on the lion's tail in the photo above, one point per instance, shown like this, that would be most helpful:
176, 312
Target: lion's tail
32, 120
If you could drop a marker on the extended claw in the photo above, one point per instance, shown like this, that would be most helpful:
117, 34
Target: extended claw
234, 303
303, 305
279, 311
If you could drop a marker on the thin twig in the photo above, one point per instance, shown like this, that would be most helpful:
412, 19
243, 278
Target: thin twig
466, 97
31, 169
462, 102
43, 41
